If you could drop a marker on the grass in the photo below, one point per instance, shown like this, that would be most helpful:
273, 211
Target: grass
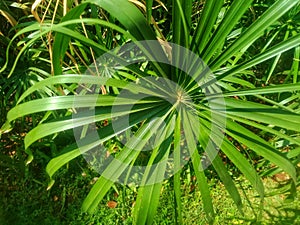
25, 200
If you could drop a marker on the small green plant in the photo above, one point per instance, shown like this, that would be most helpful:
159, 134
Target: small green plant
187, 107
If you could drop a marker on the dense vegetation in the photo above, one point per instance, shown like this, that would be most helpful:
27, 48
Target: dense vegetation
111, 97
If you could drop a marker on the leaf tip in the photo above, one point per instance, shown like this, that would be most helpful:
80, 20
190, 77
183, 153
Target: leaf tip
50, 184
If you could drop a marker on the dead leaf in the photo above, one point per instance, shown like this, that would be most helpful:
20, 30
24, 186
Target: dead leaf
112, 204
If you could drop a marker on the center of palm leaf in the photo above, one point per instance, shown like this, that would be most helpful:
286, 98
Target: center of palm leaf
180, 96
